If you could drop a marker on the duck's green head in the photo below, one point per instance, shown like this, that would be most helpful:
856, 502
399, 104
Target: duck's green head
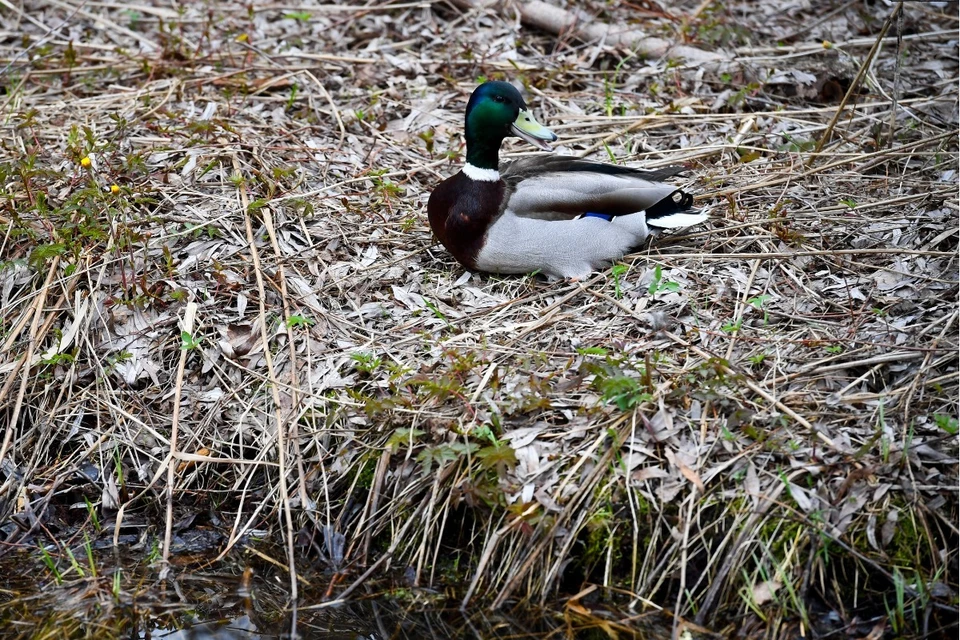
497, 110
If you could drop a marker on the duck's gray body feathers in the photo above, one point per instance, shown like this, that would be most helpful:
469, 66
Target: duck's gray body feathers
541, 225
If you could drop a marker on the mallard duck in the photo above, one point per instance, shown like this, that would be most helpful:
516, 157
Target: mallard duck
561, 216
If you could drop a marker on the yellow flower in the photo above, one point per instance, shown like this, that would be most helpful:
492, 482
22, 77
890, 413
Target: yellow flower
827, 44
85, 162
114, 189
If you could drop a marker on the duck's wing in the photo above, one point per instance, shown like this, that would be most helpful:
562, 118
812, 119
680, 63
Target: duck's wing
551, 187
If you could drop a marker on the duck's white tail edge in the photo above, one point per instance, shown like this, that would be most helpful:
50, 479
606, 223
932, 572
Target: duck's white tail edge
678, 220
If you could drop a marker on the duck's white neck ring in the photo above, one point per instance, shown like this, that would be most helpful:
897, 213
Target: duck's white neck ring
483, 175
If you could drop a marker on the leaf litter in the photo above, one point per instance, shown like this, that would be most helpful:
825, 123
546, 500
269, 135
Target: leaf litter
764, 404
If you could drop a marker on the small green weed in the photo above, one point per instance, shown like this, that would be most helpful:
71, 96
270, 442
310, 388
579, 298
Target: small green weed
300, 322
76, 566
366, 362
617, 271
435, 309
443, 453
732, 327
92, 513
88, 547
403, 437
156, 553
188, 342
610, 154
658, 284
946, 423
383, 185
427, 137
117, 587
615, 386
591, 351
797, 146
51, 565
497, 456
758, 302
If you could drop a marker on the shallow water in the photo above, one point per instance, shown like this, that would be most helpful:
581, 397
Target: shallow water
122, 597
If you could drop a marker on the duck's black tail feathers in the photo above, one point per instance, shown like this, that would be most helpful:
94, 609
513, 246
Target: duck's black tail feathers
675, 212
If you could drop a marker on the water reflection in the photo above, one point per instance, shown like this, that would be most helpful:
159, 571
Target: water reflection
390, 621
124, 598
241, 628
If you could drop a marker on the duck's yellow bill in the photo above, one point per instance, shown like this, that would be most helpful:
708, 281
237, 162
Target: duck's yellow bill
527, 127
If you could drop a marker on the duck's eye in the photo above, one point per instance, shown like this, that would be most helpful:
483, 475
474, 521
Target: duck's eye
498, 98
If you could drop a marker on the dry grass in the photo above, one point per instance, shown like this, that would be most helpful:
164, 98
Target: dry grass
751, 424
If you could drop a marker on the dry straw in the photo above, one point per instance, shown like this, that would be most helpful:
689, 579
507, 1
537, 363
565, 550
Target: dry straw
734, 423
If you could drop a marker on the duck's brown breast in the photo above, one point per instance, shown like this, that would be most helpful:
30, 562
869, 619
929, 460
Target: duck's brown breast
460, 211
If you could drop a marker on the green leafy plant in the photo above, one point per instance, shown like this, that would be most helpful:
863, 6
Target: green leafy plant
732, 326
609, 91
882, 431
444, 453
59, 358
299, 321
498, 456
365, 362
383, 185
292, 98
133, 18
946, 423
658, 284
188, 342
485, 432
427, 137
155, 553
758, 302
403, 437
797, 146
257, 204
897, 613
610, 154
623, 391
617, 378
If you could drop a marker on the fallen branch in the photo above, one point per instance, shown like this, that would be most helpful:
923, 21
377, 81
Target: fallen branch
579, 24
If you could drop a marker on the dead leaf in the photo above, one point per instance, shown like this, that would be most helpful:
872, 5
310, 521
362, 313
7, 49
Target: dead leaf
764, 591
